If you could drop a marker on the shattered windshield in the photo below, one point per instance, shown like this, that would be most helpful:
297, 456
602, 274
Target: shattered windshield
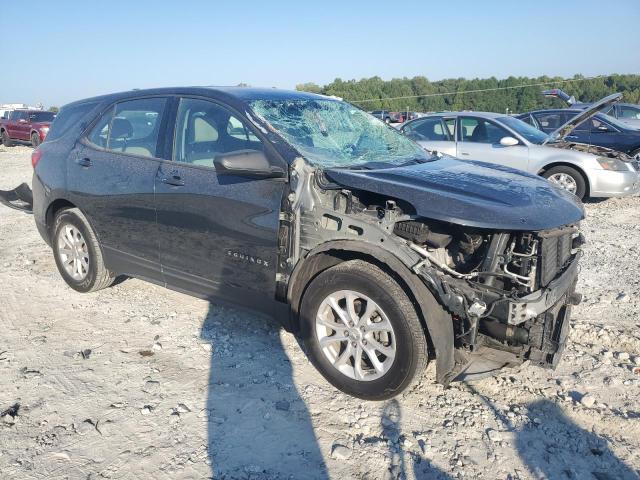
330, 134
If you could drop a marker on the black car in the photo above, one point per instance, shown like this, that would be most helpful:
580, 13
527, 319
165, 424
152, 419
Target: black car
601, 130
306, 208
627, 113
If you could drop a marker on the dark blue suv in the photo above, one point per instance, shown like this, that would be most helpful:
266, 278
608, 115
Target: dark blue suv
601, 130
301, 206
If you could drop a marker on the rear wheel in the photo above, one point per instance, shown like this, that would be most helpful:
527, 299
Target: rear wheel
568, 178
636, 154
35, 140
362, 332
6, 140
78, 254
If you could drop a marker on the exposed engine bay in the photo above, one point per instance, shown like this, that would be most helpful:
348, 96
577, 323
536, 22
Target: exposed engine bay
507, 291
594, 149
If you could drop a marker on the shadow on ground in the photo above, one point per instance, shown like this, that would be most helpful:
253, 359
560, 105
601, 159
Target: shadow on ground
553, 446
258, 427
403, 464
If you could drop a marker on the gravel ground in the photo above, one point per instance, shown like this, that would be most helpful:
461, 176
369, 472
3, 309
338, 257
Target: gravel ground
136, 381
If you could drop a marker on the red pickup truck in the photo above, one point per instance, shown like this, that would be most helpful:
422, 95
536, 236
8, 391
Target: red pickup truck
25, 126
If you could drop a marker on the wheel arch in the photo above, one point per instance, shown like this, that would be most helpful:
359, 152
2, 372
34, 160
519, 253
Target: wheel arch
579, 169
53, 208
436, 322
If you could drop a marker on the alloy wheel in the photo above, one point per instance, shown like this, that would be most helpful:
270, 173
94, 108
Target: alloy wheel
73, 251
565, 181
355, 335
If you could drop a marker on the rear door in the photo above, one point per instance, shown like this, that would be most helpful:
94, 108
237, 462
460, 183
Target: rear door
111, 175
432, 134
479, 139
218, 234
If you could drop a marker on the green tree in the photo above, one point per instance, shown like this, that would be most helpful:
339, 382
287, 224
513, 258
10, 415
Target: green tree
518, 94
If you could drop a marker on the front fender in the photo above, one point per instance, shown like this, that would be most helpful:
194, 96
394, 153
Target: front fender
436, 320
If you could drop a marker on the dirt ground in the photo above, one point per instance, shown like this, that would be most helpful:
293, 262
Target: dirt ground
136, 381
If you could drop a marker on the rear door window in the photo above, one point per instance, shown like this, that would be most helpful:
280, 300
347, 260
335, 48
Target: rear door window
41, 117
627, 111
428, 129
131, 127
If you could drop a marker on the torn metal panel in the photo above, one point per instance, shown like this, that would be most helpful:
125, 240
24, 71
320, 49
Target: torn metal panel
20, 198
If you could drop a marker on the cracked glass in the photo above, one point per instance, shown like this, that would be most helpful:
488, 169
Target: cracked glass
330, 134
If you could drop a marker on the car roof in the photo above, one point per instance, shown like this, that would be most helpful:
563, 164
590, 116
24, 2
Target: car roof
472, 114
242, 94
550, 110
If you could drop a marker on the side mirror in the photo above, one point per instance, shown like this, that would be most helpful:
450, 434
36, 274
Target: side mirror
246, 163
508, 141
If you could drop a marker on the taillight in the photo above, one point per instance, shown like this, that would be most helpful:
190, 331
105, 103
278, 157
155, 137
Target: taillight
35, 157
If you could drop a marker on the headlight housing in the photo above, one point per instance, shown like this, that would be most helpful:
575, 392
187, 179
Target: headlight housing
612, 164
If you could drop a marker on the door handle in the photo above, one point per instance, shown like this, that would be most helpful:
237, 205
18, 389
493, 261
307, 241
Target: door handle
572, 136
464, 153
84, 162
174, 180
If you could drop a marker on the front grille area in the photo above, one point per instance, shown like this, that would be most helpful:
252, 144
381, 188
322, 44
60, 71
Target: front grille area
555, 253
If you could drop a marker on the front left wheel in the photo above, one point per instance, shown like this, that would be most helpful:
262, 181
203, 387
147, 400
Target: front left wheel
362, 332
569, 179
77, 252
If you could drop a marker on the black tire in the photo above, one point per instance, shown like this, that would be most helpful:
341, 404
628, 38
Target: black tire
387, 120
581, 184
35, 140
6, 140
97, 276
410, 341
635, 154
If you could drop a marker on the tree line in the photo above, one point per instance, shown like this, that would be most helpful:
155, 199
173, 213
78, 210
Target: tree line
423, 95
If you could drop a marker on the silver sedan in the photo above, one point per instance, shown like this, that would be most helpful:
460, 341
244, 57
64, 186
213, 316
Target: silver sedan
584, 170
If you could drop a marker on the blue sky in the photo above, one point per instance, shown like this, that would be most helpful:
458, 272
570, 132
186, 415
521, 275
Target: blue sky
68, 50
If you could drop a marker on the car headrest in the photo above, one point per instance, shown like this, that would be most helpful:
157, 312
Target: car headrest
479, 133
121, 128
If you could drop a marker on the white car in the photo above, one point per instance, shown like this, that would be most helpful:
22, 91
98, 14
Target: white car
584, 170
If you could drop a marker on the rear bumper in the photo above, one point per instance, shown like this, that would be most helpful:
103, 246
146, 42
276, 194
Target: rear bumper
606, 183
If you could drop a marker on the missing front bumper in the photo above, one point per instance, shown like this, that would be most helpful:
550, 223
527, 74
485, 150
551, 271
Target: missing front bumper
20, 198
516, 312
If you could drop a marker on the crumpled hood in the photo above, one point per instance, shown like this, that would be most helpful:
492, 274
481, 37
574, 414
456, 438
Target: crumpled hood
474, 194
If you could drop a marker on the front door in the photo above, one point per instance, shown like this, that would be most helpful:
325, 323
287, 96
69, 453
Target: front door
218, 233
18, 125
111, 175
479, 139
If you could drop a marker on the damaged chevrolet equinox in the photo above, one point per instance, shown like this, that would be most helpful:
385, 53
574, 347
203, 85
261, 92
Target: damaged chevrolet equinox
377, 254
